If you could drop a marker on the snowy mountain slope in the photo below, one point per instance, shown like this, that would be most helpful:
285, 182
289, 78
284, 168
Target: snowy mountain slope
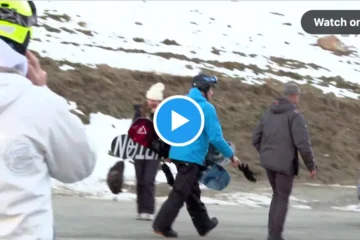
253, 41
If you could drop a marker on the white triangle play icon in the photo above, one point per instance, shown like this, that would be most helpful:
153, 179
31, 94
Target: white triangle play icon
177, 120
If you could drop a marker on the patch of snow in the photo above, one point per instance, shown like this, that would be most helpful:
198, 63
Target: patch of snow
257, 200
292, 198
350, 208
207, 200
339, 92
66, 67
123, 197
330, 185
90, 65
73, 106
200, 28
298, 206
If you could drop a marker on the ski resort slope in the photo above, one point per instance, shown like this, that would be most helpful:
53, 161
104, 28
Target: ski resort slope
249, 41
183, 38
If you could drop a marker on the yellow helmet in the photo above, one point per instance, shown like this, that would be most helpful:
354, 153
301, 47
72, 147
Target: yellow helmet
16, 21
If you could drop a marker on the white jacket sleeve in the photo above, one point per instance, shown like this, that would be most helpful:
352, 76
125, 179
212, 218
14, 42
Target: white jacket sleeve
70, 155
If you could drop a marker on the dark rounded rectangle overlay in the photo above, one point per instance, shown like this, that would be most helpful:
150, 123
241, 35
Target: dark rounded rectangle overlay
331, 22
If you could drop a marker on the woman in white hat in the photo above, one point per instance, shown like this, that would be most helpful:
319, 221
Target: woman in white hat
146, 169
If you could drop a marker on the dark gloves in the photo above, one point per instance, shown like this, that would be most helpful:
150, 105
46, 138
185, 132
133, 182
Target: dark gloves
115, 177
169, 177
160, 148
247, 172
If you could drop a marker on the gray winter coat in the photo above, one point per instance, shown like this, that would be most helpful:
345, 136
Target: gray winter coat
280, 134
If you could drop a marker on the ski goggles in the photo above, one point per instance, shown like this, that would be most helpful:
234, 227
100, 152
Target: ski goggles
212, 80
11, 16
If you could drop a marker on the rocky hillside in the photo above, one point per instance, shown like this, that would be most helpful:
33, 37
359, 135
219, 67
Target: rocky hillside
106, 63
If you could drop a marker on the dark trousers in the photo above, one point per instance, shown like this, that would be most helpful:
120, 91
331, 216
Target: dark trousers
146, 171
185, 189
281, 185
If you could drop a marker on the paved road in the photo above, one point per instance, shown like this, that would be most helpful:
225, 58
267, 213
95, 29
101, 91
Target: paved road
81, 218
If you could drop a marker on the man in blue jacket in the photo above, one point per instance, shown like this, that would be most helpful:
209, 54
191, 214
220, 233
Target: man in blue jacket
190, 161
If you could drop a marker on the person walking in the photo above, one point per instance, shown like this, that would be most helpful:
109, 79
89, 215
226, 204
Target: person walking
146, 170
189, 161
39, 138
280, 134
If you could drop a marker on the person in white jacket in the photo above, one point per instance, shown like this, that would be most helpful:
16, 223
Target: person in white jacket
39, 138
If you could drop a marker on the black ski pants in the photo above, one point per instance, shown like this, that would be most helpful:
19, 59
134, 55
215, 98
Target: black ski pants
146, 171
185, 189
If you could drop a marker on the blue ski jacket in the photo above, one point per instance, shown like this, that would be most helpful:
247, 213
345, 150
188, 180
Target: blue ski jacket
212, 133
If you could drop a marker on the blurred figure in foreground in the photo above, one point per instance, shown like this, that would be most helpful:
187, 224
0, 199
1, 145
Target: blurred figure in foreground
39, 138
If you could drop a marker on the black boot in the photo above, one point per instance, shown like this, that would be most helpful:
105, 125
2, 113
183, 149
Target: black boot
203, 223
168, 233
212, 224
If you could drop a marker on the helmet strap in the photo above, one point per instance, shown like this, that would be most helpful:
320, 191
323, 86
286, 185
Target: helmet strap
205, 91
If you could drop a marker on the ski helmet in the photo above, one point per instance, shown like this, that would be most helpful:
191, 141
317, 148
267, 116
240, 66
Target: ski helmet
16, 21
204, 82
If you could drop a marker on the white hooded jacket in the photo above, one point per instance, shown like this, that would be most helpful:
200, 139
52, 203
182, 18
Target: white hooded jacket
39, 139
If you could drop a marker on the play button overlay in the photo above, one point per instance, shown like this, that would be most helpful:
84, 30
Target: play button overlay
179, 120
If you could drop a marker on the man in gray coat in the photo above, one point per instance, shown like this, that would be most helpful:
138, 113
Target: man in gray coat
281, 133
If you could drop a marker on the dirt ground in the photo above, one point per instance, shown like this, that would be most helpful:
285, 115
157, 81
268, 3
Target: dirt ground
333, 122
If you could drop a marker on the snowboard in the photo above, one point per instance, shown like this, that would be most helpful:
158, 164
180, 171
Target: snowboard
115, 177
216, 177
125, 148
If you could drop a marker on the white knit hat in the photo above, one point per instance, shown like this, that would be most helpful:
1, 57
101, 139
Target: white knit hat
156, 92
